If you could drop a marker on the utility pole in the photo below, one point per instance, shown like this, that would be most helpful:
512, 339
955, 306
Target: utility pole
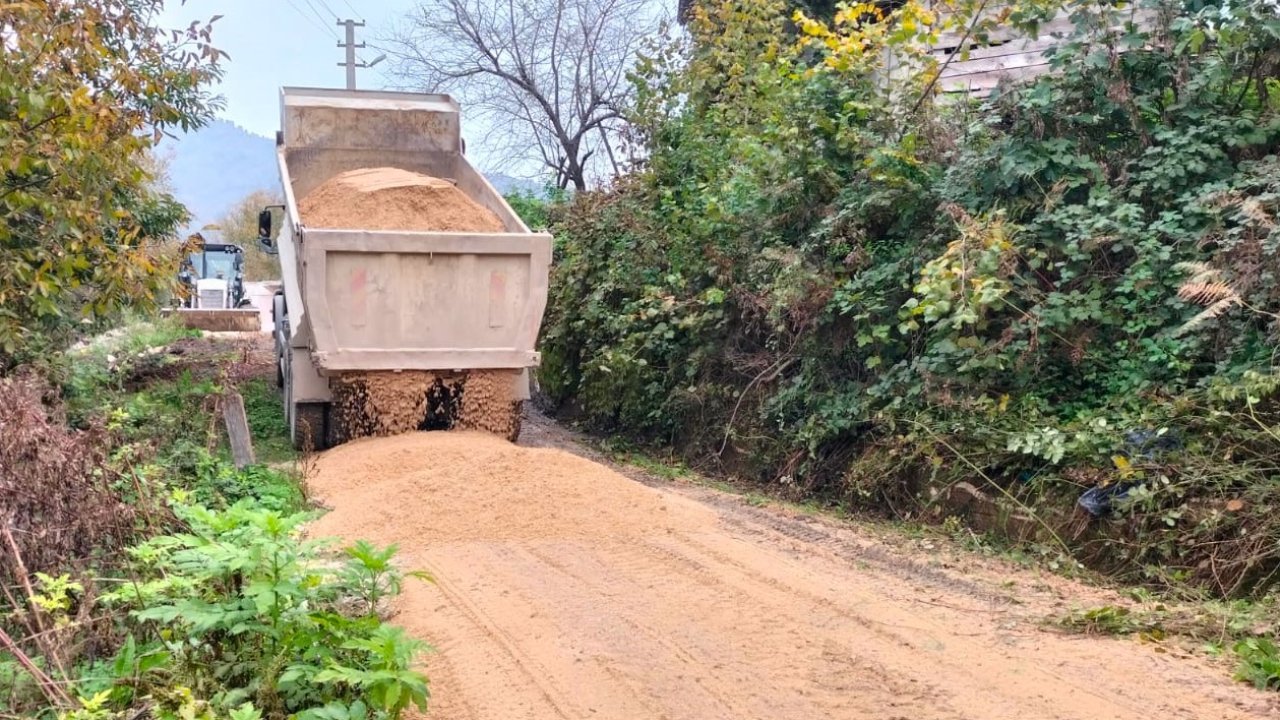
351, 47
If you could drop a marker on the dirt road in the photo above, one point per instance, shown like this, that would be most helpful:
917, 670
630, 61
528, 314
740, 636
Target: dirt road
565, 590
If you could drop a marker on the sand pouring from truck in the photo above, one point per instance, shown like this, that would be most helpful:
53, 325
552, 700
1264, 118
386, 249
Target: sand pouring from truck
412, 293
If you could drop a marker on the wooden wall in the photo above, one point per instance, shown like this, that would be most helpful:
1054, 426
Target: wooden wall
1006, 55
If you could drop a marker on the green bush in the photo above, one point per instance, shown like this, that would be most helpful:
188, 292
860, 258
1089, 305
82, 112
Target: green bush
1259, 663
533, 207
228, 613
856, 292
242, 609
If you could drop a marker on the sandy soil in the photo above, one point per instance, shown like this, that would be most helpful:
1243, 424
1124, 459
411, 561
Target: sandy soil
565, 590
393, 199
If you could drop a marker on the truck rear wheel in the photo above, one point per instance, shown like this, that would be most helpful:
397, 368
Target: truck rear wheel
311, 427
280, 336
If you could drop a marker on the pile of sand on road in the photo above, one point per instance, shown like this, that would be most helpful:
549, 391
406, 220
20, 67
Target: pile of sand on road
427, 488
388, 198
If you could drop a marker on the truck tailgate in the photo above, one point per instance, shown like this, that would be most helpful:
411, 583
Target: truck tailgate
424, 300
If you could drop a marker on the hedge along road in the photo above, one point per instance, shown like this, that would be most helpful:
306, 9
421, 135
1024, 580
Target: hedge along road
564, 590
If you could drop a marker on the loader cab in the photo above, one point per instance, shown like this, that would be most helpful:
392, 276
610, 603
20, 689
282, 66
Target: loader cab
215, 276
224, 262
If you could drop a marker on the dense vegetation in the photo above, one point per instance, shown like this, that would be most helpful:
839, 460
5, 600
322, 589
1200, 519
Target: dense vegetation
86, 89
141, 573
831, 279
144, 575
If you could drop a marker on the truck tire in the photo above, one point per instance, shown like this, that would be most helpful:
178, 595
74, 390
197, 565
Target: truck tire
311, 427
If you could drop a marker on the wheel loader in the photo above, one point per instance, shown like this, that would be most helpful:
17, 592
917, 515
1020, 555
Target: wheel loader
440, 327
213, 298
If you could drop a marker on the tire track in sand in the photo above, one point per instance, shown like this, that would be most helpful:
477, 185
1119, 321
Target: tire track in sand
568, 591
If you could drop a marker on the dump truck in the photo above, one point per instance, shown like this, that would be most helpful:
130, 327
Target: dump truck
396, 306
212, 277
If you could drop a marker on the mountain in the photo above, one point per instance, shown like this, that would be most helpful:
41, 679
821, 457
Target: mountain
214, 167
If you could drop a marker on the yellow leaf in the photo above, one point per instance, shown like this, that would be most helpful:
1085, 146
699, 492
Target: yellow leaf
1123, 465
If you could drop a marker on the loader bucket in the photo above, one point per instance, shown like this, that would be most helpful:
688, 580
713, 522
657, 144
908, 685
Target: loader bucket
241, 320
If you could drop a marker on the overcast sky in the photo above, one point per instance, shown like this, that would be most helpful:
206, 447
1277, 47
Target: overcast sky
275, 43
284, 42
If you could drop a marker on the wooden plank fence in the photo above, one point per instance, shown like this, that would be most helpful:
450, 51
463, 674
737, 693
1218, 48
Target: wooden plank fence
1005, 54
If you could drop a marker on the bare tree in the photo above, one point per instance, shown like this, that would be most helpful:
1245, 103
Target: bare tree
548, 77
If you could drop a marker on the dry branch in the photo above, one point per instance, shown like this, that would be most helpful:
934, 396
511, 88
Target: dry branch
48, 686
549, 77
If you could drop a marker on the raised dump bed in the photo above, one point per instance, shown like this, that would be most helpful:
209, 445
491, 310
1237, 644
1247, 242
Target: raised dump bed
394, 324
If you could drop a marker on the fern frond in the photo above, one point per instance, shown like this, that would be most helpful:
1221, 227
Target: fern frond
1211, 312
1195, 269
1207, 292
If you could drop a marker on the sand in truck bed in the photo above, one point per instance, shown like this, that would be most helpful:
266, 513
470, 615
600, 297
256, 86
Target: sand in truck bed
393, 199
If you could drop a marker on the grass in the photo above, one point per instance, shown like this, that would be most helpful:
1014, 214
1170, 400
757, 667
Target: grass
1115, 620
668, 469
1212, 626
162, 409
625, 453
1259, 663
267, 423
219, 485
134, 337
93, 373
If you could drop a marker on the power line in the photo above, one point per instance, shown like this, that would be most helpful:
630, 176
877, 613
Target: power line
323, 27
329, 10
353, 9
320, 16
